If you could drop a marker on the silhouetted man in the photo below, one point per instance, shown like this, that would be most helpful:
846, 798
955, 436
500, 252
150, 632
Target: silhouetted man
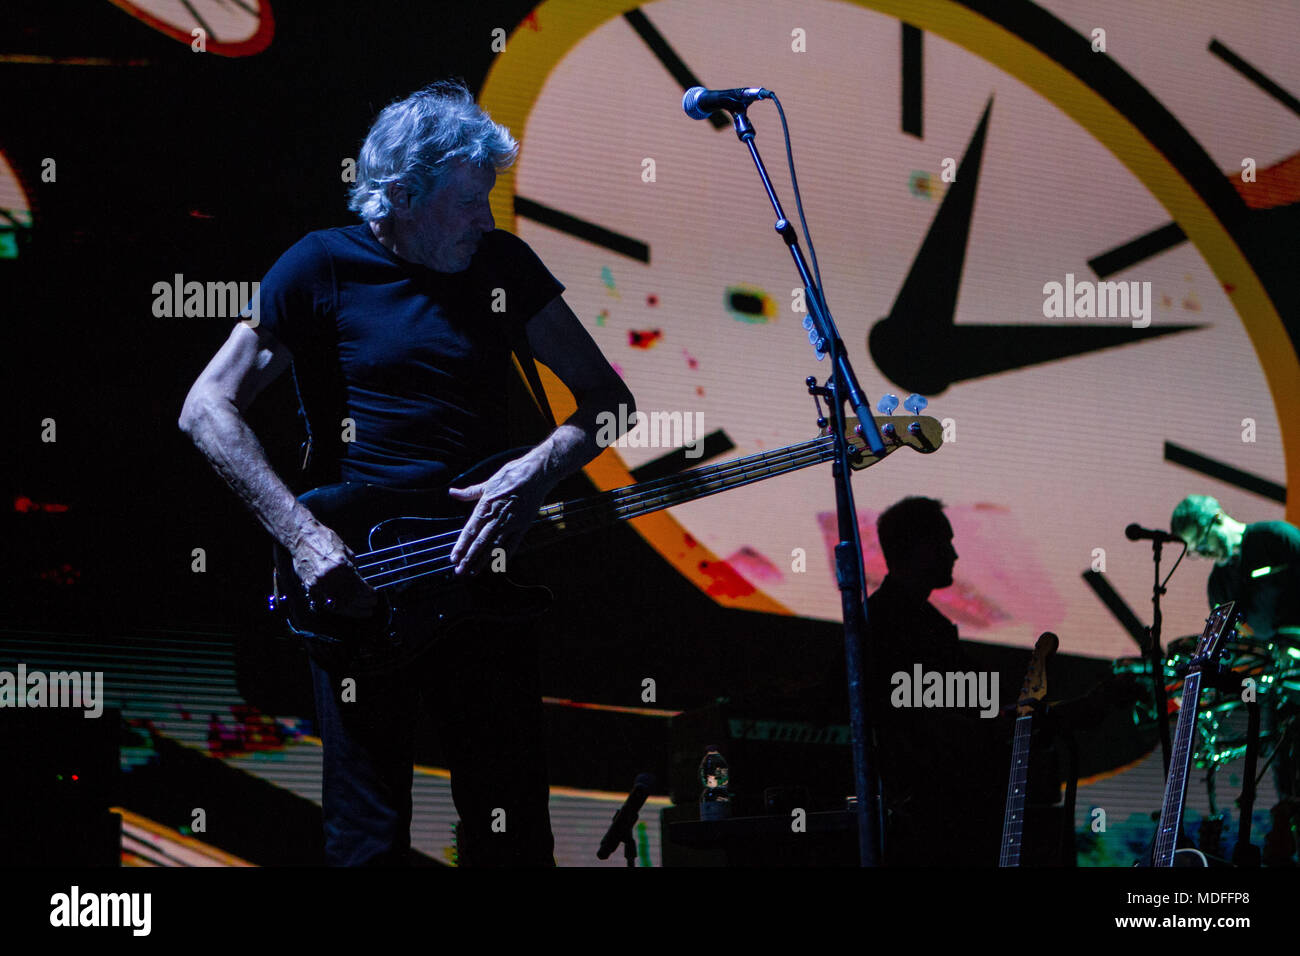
944, 767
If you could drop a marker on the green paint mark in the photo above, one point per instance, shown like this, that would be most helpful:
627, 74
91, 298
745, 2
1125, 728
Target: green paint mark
921, 184
643, 843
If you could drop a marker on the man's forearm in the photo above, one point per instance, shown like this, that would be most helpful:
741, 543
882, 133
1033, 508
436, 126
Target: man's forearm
574, 442
225, 439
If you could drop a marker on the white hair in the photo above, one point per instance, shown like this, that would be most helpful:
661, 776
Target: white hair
414, 140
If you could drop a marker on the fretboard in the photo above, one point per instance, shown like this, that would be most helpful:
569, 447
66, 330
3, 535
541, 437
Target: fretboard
588, 514
1013, 819
1171, 813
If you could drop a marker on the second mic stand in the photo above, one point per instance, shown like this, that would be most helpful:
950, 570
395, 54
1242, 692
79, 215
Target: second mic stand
1156, 656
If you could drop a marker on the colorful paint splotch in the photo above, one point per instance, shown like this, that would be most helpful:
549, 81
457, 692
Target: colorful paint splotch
749, 304
15, 210
726, 581
691, 361
607, 280
644, 338
921, 184
755, 566
652, 300
602, 317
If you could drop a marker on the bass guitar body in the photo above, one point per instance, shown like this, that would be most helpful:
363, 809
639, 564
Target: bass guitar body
401, 540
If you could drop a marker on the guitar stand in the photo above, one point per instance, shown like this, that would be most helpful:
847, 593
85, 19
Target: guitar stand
629, 848
1053, 726
1245, 853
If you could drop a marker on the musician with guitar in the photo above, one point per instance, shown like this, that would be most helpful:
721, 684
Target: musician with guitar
399, 331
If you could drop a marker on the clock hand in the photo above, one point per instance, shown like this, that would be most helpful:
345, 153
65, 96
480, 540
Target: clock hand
920, 348
927, 301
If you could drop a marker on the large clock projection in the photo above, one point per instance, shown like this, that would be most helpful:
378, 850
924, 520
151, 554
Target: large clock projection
1060, 427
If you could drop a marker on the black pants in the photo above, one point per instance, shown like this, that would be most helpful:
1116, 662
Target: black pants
480, 687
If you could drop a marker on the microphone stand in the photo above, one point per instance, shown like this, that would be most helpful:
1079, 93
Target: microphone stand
1156, 654
842, 386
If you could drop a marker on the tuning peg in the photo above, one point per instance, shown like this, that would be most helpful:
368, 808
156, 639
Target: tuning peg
808, 322
915, 403
887, 404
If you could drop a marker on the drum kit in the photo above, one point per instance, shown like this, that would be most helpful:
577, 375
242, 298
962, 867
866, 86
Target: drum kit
1267, 671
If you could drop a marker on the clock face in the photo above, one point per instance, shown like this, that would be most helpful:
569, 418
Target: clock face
1061, 429
231, 27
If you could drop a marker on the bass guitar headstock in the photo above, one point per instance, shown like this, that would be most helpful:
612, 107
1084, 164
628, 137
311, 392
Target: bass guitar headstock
1217, 627
918, 432
1034, 689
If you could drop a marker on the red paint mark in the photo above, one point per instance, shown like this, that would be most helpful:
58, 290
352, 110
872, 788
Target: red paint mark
726, 581
644, 339
652, 299
755, 566
251, 730
618, 369
530, 21
691, 360
699, 390
1276, 185
65, 574
690, 542
200, 214
23, 504
1229, 288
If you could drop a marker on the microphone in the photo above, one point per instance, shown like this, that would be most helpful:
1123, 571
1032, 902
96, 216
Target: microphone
626, 816
700, 103
1135, 532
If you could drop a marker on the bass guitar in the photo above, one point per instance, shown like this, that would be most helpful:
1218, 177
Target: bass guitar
402, 540
1032, 693
1166, 851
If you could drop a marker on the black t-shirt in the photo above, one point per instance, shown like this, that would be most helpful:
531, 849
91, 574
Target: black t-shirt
944, 769
417, 359
1271, 600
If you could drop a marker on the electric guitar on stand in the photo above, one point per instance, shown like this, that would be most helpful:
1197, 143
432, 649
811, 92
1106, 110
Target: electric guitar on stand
1032, 693
402, 542
1166, 851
